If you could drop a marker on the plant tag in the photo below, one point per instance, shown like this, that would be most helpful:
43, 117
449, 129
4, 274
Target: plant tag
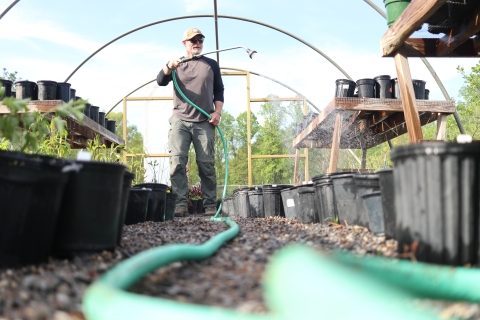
84, 156
290, 203
464, 138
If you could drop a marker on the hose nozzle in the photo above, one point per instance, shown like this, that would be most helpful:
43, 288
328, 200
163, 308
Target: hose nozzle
250, 52
186, 59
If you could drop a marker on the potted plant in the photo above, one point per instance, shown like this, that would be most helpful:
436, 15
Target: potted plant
194, 197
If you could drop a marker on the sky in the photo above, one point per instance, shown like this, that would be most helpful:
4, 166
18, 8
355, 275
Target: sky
48, 39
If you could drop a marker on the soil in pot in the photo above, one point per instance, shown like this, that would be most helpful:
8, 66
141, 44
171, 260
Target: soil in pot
90, 210
47, 90
157, 201
137, 205
126, 185
31, 189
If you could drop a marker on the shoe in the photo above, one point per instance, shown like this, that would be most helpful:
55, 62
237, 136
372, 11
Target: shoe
210, 211
181, 211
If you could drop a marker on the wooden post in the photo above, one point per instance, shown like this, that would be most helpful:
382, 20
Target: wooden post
408, 96
295, 168
124, 120
337, 133
441, 126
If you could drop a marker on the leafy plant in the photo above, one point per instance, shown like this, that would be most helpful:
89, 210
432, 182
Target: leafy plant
195, 192
100, 151
333, 219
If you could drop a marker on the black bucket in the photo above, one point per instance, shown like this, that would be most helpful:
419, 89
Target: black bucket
94, 113
272, 200
6, 85
373, 206
324, 197
255, 201
419, 88
86, 111
365, 183
307, 211
137, 205
366, 88
47, 90
73, 93
127, 184
383, 87
25, 90
90, 210
200, 207
240, 202
290, 202
170, 208
427, 94
78, 98
63, 91
436, 201
157, 200
344, 88
385, 178
345, 195
31, 189
111, 126
225, 207
101, 118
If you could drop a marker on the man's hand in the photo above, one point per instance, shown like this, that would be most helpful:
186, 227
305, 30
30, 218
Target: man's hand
215, 118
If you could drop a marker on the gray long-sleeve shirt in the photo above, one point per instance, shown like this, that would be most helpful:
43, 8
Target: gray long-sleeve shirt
201, 81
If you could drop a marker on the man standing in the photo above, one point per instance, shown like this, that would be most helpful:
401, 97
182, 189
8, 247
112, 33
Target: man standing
200, 80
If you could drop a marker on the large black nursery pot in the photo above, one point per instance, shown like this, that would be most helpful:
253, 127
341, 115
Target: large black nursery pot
383, 87
255, 201
365, 184
7, 87
241, 202
345, 195
31, 189
90, 210
47, 90
385, 178
200, 208
137, 205
171, 199
127, 184
101, 118
272, 200
373, 206
111, 126
63, 91
366, 88
290, 202
437, 192
225, 207
344, 88
324, 198
157, 201
25, 89
94, 110
306, 210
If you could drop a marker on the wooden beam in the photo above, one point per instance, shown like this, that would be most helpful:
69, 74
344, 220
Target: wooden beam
391, 105
410, 20
460, 34
295, 168
337, 133
441, 127
427, 48
405, 85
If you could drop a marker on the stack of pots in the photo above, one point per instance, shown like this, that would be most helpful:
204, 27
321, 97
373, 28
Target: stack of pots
437, 187
156, 201
418, 87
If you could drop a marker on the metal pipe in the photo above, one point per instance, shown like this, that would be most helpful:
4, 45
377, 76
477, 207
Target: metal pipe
430, 68
216, 30
8, 8
209, 16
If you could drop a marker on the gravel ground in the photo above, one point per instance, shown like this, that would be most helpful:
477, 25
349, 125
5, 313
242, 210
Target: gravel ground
231, 278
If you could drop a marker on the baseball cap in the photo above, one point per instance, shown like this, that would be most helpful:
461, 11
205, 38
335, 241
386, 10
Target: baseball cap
192, 32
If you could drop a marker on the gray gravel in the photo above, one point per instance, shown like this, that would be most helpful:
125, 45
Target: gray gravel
231, 278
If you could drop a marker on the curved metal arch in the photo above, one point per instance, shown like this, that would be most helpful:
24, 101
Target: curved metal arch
8, 8
257, 74
211, 16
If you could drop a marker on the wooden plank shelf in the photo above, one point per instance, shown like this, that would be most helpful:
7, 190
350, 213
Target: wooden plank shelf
79, 133
366, 122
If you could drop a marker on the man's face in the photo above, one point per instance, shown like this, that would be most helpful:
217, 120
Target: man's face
194, 46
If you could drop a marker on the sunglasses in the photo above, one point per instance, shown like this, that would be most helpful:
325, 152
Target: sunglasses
194, 41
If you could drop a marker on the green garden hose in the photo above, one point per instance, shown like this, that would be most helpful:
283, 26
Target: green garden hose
299, 283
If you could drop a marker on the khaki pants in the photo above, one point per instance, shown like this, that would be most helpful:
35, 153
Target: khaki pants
181, 135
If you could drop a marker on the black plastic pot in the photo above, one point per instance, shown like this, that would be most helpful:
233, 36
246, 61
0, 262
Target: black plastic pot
90, 210
365, 184
419, 88
272, 200
47, 90
437, 187
94, 113
106, 123
137, 205
6, 85
366, 88
25, 90
383, 87
373, 206
73, 93
345, 195
427, 94
255, 201
101, 119
86, 111
225, 207
241, 203
170, 207
200, 208
111, 126
157, 200
385, 178
306, 210
77, 98
127, 184
31, 189
290, 202
63, 91
192, 206
344, 88
324, 197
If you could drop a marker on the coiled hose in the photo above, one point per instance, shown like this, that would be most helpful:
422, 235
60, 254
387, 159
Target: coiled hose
299, 283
